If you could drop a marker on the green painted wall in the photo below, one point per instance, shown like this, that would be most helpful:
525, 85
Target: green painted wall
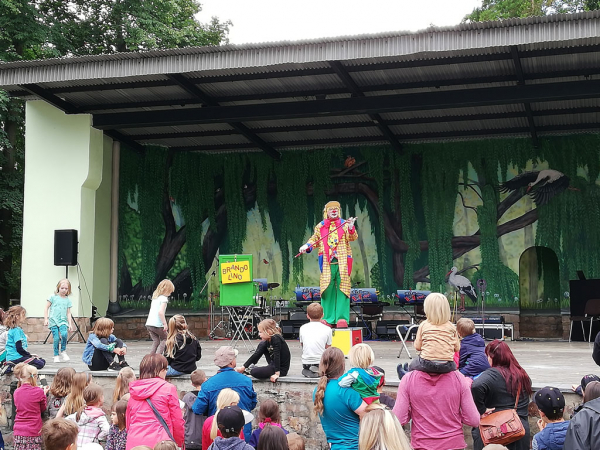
67, 186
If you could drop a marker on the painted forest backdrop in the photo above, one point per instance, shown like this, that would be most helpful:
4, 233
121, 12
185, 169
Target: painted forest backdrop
419, 214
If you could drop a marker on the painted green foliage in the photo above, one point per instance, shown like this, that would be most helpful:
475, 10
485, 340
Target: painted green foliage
419, 213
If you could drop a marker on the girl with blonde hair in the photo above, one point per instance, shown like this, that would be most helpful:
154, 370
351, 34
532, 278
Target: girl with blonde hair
121, 391
90, 418
380, 430
74, 401
275, 350
437, 339
182, 349
339, 409
210, 430
102, 346
59, 389
156, 324
363, 378
30, 402
57, 316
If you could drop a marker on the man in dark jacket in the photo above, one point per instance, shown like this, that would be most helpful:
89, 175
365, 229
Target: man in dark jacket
472, 358
226, 377
584, 428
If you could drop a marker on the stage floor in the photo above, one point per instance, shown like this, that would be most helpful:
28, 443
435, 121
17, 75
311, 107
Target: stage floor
555, 363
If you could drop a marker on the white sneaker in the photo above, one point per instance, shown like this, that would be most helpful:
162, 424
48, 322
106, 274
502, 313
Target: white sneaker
57, 359
65, 357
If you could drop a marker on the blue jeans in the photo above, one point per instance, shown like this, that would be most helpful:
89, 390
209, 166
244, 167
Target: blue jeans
172, 372
59, 336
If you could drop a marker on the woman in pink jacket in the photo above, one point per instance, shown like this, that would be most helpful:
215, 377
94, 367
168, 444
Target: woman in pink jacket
143, 427
438, 404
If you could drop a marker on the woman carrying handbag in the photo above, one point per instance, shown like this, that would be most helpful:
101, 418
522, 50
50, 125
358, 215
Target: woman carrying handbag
502, 388
144, 424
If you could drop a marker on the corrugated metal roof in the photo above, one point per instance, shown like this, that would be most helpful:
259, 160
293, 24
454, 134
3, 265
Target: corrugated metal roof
573, 30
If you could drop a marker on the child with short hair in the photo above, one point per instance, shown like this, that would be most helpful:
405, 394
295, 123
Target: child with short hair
437, 339
30, 401
57, 317
472, 358
553, 428
275, 350
182, 349
121, 391
315, 337
117, 435
268, 414
230, 421
193, 422
92, 423
59, 389
362, 377
102, 346
60, 434
16, 340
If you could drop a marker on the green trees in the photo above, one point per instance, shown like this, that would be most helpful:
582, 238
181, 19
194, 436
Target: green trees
38, 29
507, 9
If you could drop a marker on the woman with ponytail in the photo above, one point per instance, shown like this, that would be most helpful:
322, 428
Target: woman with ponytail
338, 408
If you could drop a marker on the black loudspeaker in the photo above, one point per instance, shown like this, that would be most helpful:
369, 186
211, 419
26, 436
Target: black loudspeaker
291, 328
388, 327
65, 247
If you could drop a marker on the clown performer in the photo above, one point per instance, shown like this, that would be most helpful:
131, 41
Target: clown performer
332, 239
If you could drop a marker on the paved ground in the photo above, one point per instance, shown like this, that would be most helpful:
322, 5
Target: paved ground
554, 363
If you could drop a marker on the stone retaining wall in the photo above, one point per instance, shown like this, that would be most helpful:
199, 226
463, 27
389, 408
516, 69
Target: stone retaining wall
294, 396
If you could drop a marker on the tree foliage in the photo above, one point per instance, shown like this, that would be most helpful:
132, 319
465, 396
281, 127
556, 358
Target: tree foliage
508, 9
38, 29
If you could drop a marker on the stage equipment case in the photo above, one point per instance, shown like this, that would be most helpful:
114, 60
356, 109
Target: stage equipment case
345, 338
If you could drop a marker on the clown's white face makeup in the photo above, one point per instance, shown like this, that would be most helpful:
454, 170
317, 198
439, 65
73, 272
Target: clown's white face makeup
333, 213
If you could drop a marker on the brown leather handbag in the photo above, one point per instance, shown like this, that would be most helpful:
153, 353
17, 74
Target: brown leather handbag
502, 427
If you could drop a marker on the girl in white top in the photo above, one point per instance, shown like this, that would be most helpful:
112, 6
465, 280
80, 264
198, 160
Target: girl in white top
156, 324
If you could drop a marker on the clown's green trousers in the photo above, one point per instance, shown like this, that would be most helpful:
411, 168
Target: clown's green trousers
335, 304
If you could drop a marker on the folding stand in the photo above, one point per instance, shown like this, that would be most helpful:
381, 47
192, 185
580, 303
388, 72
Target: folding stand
74, 333
239, 315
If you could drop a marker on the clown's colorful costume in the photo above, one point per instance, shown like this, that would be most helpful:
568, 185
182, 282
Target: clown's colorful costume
335, 261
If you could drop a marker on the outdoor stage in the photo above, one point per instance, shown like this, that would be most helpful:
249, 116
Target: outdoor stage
555, 363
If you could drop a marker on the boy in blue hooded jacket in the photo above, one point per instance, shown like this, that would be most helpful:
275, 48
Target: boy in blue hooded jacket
472, 358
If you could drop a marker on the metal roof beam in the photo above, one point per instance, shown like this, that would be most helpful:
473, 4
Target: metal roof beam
357, 105
406, 137
194, 90
340, 71
514, 51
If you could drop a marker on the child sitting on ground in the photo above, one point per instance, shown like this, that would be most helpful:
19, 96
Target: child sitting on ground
436, 339
182, 349
16, 340
268, 414
472, 357
117, 435
102, 346
315, 337
230, 421
92, 423
363, 378
60, 434
193, 422
59, 389
553, 428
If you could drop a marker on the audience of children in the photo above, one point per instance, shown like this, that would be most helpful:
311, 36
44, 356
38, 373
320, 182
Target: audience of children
363, 378
472, 357
57, 317
182, 349
315, 337
102, 346
121, 391
552, 425
230, 421
91, 420
268, 415
210, 429
16, 340
30, 401
59, 389
117, 435
275, 350
193, 422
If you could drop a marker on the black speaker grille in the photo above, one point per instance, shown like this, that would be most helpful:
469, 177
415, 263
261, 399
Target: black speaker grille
65, 247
